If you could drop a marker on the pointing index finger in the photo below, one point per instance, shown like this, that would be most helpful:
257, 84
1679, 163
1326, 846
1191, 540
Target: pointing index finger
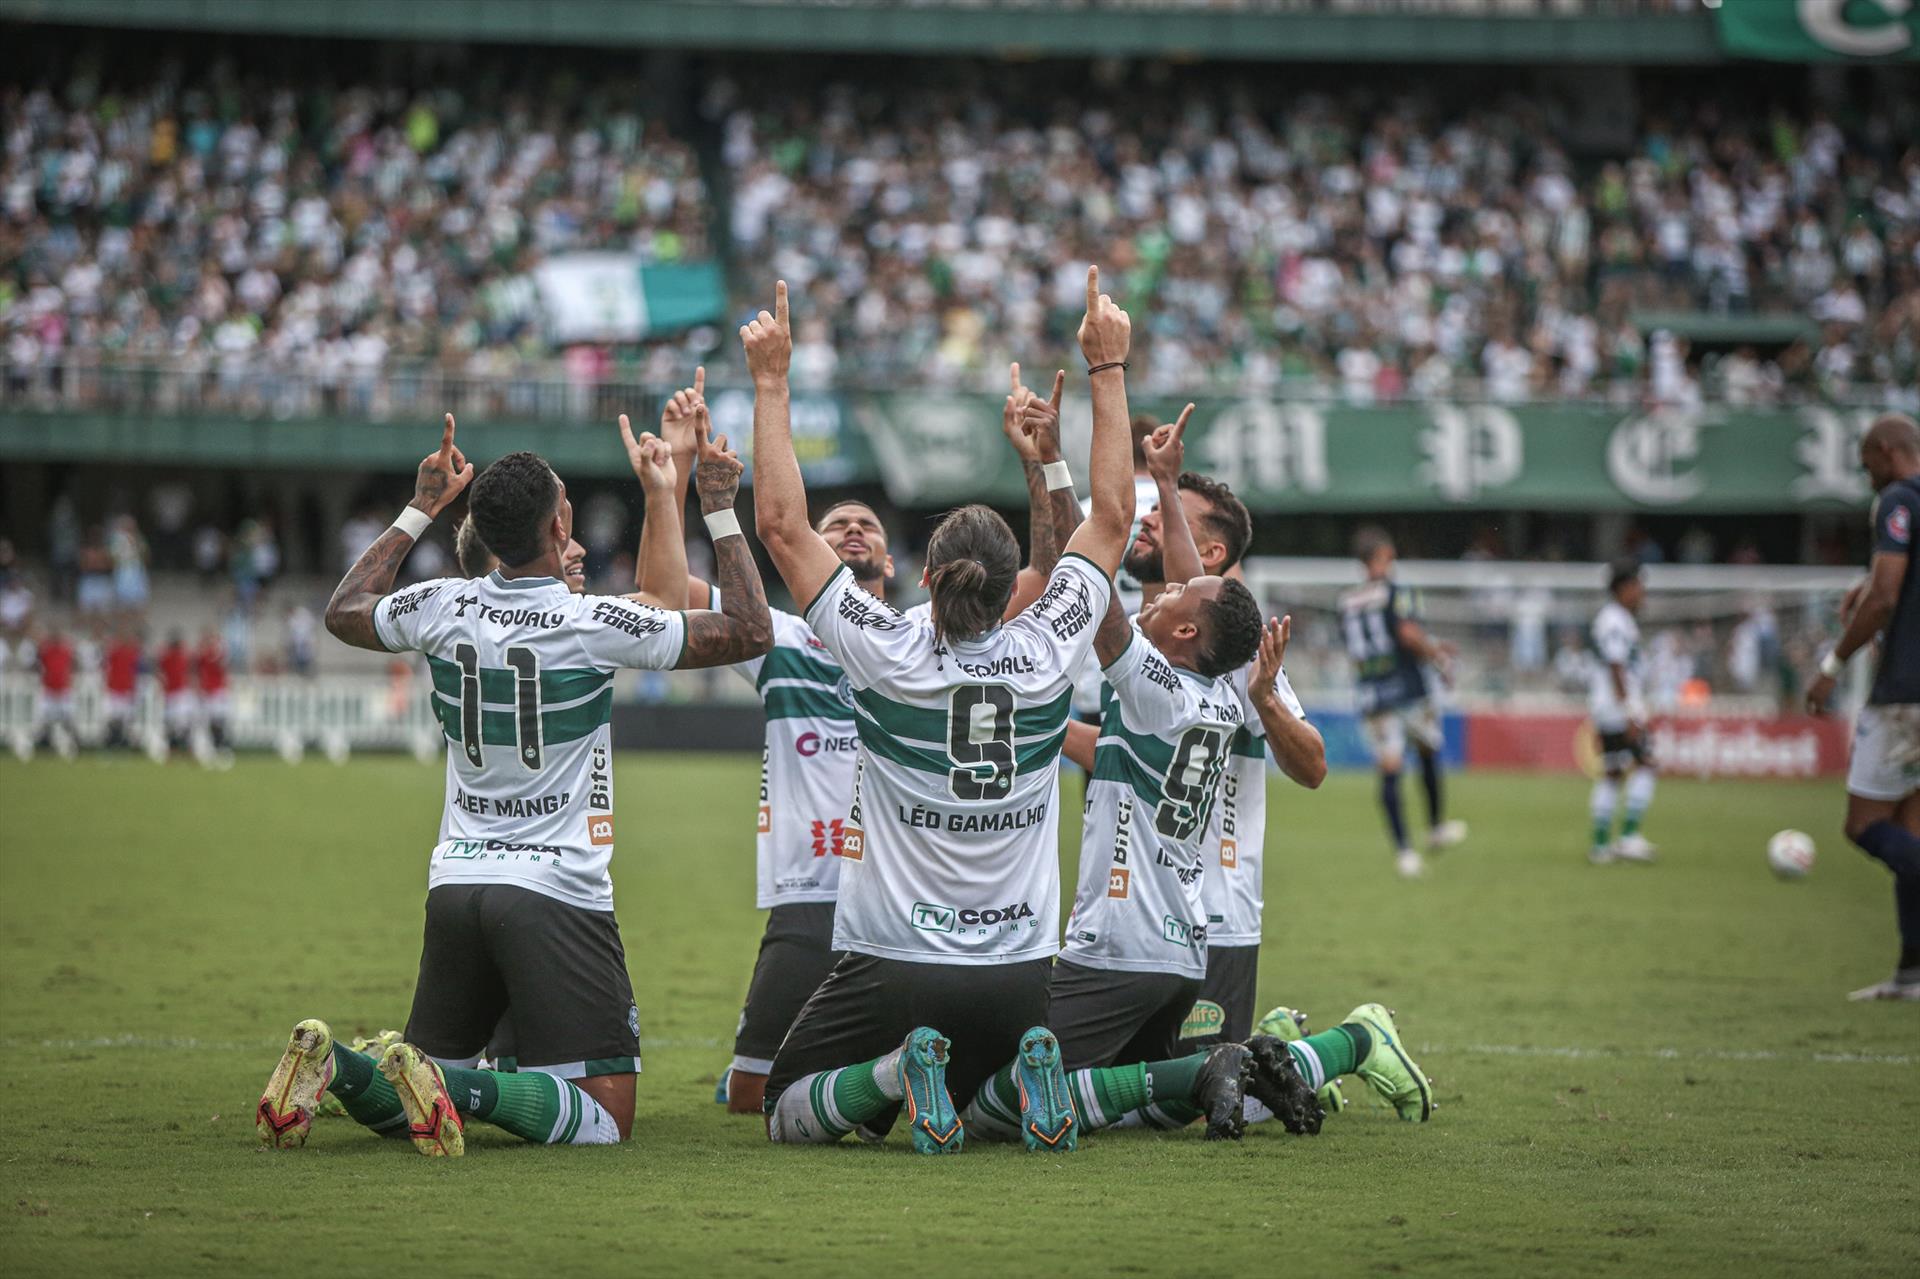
626, 431
1093, 288
1180, 424
700, 379
1059, 384
1013, 375
780, 302
446, 442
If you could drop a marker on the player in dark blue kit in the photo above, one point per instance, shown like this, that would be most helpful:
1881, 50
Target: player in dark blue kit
1391, 652
1883, 779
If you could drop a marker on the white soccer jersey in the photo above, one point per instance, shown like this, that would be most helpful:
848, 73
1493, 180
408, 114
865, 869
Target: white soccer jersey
806, 770
950, 854
523, 687
1164, 738
1236, 835
1086, 680
1616, 639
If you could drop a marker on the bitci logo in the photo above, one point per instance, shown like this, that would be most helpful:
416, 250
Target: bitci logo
853, 843
600, 829
1117, 882
766, 819
1229, 854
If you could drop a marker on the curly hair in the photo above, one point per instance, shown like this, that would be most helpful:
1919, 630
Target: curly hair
476, 560
1233, 630
511, 502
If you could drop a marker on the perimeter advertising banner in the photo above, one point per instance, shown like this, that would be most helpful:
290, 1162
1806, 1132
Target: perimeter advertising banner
1820, 30
936, 450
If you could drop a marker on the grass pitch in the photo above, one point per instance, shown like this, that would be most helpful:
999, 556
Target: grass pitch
1638, 1068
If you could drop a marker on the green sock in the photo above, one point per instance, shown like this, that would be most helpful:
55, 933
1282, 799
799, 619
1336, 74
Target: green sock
856, 1093
526, 1105
1334, 1052
1603, 831
1630, 824
365, 1092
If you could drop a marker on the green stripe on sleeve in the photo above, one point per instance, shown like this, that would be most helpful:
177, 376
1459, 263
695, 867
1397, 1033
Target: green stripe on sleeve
805, 703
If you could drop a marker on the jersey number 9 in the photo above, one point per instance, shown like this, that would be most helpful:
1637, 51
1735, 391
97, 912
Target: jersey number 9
1191, 781
980, 741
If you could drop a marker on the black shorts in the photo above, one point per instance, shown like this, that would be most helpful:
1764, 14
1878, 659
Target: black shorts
1108, 1018
555, 974
867, 1005
1621, 751
796, 954
1224, 1012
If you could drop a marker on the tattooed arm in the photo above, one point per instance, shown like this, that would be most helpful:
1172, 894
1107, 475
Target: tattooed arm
743, 628
443, 476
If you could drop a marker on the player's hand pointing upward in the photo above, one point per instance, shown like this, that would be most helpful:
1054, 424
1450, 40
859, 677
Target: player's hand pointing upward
443, 475
769, 340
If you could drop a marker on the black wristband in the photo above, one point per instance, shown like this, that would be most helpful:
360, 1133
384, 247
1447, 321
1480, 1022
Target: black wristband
1110, 364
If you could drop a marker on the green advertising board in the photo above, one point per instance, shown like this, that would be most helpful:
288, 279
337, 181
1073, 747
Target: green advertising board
1820, 30
1298, 456
1281, 455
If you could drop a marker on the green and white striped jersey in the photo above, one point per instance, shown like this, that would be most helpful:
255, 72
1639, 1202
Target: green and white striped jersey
523, 687
1237, 831
806, 768
950, 850
1164, 740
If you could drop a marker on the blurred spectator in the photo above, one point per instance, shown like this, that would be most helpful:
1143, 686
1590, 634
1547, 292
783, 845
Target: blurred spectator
128, 551
93, 569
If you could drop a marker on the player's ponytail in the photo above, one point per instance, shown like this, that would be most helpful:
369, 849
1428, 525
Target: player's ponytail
972, 561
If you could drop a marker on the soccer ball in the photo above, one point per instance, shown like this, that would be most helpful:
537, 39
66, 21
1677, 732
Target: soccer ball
1790, 853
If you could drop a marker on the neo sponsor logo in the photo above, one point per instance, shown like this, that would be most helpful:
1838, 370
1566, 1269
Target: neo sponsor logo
811, 744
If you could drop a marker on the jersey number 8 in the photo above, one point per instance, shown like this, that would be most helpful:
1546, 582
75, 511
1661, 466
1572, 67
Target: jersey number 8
526, 703
980, 741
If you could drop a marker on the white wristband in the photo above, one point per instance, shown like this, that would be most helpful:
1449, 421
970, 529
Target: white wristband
1058, 476
1831, 666
723, 524
413, 521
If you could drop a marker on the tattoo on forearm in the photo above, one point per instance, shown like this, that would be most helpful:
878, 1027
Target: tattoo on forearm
1043, 547
743, 628
350, 611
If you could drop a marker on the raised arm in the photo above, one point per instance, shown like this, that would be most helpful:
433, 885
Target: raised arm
1106, 335
1115, 632
683, 430
442, 477
660, 569
743, 628
1166, 454
1024, 424
780, 518
1296, 745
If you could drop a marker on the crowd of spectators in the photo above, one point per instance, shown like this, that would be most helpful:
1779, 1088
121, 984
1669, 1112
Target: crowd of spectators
223, 223
1357, 244
1340, 244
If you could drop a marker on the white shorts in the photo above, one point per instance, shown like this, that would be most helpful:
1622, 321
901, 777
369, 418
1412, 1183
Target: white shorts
119, 706
54, 706
1886, 753
180, 711
1387, 732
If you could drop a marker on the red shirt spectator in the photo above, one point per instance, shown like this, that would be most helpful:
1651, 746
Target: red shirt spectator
123, 667
211, 665
56, 665
175, 669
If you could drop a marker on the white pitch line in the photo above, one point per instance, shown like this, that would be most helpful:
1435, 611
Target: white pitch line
1669, 1054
